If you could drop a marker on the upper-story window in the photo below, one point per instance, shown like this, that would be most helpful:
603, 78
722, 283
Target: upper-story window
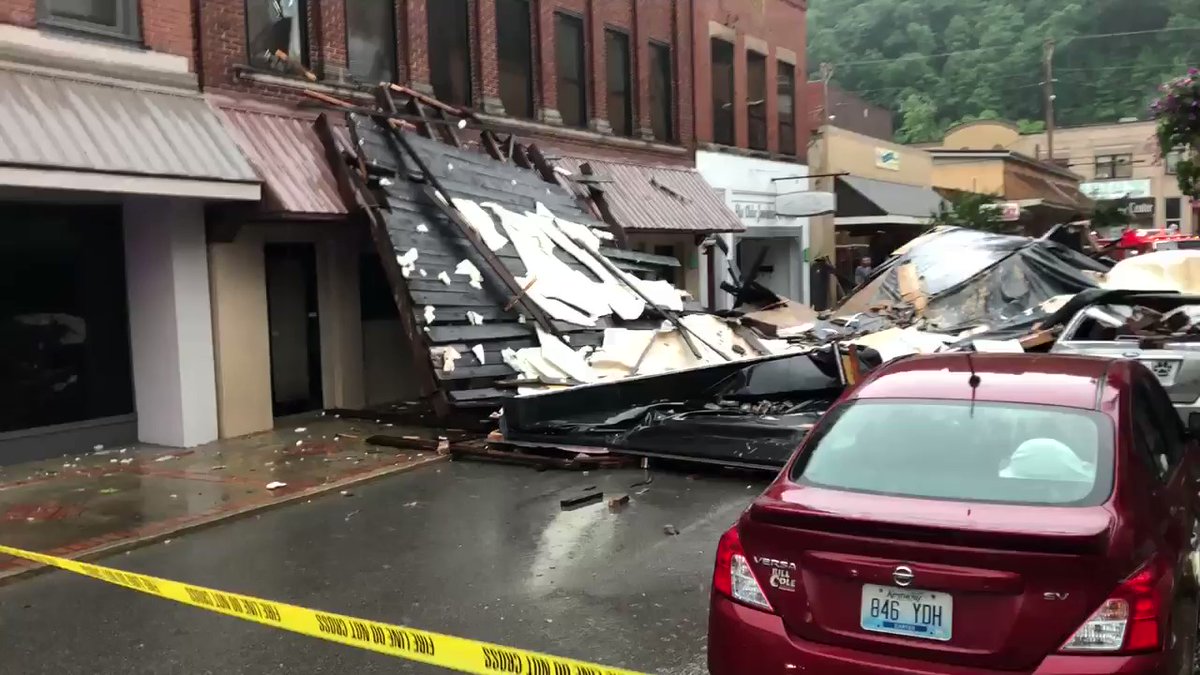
661, 98
722, 91
572, 69
514, 51
619, 80
1174, 157
450, 50
1114, 166
756, 99
371, 40
277, 26
109, 18
786, 95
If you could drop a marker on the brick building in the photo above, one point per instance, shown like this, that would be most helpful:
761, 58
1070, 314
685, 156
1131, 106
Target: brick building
271, 263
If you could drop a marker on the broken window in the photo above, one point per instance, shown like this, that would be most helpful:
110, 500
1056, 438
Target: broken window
620, 100
722, 92
277, 26
756, 99
110, 18
661, 119
786, 83
1114, 166
514, 51
371, 40
450, 50
571, 62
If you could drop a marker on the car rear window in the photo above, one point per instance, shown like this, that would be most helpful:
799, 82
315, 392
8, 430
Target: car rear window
986, 452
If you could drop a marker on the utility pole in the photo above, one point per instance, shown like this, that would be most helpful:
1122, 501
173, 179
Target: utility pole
826, 77
1048, 93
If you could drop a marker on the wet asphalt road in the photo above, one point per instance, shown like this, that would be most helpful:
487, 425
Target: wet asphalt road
475, 550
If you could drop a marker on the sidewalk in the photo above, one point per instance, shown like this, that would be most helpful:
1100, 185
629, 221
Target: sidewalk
116, 498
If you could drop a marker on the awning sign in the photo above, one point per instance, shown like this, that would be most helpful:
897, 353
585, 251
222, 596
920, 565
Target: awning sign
887, 159
805, 204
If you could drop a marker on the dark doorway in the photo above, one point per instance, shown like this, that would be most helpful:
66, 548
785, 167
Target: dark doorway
295, 328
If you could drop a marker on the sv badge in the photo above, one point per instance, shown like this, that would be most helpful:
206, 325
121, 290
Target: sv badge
1053, 595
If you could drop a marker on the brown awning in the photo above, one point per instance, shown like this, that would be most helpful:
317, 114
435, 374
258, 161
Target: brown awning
282, 145
657, 198
1019, 187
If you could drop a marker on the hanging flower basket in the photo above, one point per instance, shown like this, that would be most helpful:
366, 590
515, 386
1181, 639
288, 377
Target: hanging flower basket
1177, 112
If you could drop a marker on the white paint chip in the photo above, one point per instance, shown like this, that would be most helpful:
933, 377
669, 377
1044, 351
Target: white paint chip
429, 314
275, 485
422, 227
444, 277
468, 268
477, 350
474, 318
423, 272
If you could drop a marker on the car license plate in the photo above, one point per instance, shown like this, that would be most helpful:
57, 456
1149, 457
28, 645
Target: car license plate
905, 611
1163, 370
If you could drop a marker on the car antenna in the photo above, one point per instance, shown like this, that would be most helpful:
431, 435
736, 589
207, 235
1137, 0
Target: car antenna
973, 381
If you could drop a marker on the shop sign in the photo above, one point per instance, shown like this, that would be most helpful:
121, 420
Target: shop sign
1117, 189
1007, 212
887, 159
754, 210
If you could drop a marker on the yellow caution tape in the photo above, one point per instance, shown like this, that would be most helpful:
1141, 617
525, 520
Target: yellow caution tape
436, 649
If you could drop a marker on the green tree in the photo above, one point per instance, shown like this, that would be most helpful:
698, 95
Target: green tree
990, 59
973, 211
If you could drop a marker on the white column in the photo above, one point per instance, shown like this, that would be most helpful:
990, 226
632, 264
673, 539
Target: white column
170, 321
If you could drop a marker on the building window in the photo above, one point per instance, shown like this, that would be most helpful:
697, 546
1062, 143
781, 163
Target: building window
1114, 166
1173, 159
722, 91
571, 62
756, 99
1174, 211
786, 86
64, 323
277, 26
620, 101
450, 50
514, 51
371, 40
110, 18
661, 100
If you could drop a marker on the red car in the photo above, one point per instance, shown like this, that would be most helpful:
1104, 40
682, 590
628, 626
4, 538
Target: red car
962, 515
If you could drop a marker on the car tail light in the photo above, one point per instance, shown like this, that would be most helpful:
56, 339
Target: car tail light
1130, 620
732, 576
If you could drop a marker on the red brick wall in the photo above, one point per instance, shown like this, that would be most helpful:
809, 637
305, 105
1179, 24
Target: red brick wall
780, 23
166, 24
20, 12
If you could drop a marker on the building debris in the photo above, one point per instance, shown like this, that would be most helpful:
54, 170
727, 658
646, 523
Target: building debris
580, 500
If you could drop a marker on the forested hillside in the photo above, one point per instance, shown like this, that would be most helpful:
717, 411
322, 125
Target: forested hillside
987, 57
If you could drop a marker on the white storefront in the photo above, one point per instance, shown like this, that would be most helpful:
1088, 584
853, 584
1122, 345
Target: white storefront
751, 188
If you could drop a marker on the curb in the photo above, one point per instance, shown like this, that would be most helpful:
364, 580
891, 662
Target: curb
102, 549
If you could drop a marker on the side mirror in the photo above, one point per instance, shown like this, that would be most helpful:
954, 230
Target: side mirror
1194, 425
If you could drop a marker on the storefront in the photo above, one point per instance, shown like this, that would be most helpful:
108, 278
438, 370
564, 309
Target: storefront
776, 247
105, 323
1133, 199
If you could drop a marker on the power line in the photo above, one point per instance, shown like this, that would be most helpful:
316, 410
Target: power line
978, 50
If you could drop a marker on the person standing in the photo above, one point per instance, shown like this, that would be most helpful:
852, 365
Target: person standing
863, 271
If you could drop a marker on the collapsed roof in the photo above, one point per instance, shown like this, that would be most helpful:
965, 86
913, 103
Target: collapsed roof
506, 283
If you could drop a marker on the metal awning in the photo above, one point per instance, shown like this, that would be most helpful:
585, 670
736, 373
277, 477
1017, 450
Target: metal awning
77, 134
657, 198
859, 197
283, 146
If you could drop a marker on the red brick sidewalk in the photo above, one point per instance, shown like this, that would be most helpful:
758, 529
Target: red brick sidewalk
115, 498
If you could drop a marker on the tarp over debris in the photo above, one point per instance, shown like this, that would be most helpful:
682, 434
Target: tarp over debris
955, 279
735, 414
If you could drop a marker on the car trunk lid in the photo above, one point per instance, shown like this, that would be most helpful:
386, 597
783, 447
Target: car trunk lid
995, 585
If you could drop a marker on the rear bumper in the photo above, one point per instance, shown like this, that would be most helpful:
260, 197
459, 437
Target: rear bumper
742, 641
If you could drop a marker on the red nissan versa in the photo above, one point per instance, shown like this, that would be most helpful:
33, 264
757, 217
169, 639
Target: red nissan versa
960, 515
